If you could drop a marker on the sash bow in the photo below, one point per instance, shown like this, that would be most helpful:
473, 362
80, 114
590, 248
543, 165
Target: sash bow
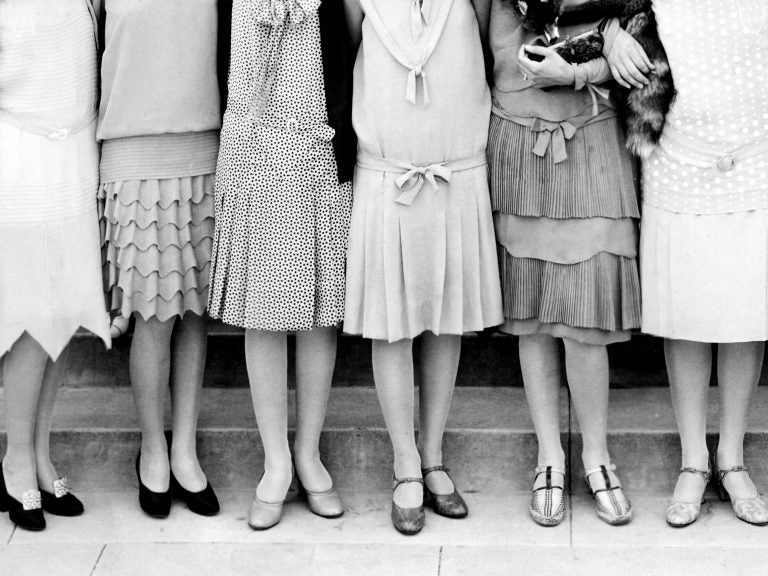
552, 135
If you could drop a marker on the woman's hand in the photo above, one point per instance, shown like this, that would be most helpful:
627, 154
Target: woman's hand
628, 61
551, 71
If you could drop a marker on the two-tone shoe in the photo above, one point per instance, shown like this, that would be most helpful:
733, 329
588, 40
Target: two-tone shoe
408, 521
684, 513
27, 514
753, 510
61, 502
611, 503
547, 506
449, 505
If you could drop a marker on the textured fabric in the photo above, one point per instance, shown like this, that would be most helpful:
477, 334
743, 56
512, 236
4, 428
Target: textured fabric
430, 265
565, 241
160, 156
705, 277
49, 247
153, 53
718, 63
158, 236
528, 185
281, 216
593, 336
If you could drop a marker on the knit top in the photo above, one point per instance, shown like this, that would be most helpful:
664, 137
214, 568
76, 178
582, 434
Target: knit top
160, 106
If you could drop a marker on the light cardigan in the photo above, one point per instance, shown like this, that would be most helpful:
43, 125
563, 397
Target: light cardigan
160, 109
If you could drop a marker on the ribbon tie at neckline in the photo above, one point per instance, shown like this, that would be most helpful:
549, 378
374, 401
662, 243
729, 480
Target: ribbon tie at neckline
281, 12
411, 183
419, 14
552, 135
414, 73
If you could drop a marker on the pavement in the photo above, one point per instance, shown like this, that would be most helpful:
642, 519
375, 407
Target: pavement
114, 538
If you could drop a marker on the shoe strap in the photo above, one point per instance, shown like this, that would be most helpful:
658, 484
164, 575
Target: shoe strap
548, 470
438, 468
706, 474
397, 481
721, 474
603, 469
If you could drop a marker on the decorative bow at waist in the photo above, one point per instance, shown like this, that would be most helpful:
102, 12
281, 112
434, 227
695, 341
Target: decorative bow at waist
552, 135
412, 177
280, 12
50, 132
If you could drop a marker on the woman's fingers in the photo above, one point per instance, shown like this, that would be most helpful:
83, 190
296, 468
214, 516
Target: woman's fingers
618, 77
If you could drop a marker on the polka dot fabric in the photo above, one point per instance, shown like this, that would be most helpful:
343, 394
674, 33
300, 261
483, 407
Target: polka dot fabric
720, 68
281, 216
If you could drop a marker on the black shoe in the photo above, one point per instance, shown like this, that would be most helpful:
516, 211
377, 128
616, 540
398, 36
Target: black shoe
155, 504
449, 505
28, 515
61, 502
204, 502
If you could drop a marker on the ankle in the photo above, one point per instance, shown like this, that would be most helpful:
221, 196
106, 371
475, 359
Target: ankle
407, 467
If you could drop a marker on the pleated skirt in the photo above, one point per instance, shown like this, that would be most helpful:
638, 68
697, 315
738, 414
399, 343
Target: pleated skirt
567, 234
157, 236
430, 266
705, 277
50, 282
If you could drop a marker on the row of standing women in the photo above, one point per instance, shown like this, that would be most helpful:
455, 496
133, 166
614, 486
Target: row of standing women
431, 246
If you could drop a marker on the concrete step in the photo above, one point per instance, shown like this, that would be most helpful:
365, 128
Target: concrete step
489, 444
487, 359
115, 538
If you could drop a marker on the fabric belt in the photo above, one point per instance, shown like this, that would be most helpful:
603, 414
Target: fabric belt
412, 176
50, 132
704, 155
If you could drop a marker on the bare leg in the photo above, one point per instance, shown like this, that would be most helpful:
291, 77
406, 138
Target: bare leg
540, 364
23, 376
266, 357
689, 365
315, 360
150, 366
393, 373
738, 371
439, 364
46, 472
188, 365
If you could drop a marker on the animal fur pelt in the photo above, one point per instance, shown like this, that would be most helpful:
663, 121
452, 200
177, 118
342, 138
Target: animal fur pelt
643, 110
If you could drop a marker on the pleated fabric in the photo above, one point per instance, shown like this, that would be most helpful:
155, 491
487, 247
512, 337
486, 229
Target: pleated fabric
566, 234
705, 276
157, 240
428, 266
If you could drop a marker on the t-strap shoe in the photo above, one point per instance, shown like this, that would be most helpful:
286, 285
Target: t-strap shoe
752, 510
449, 505
407, 521
612, 504
679, 513
547, 506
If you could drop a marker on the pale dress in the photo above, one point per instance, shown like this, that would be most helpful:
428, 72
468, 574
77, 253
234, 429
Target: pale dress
281, 215
50, 273
422, 252
704, 241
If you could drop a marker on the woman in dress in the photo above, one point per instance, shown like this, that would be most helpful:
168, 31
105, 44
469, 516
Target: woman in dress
159, 122
566, 222
705, 223
422, 258
281, 230
50, 278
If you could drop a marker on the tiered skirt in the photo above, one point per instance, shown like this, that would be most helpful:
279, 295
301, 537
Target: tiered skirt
157, 235
566, 233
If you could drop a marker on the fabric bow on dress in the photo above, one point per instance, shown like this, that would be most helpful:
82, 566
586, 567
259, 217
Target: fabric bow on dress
281, 12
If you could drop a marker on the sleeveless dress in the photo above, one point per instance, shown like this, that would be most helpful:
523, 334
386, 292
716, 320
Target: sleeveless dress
50, 273
157, 175
564, 199
422, 254
704, 235
281, 215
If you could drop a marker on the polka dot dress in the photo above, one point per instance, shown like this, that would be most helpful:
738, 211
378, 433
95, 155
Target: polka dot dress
705, 222
281, 216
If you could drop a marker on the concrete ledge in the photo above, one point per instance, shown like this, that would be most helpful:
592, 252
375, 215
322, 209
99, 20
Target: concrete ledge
489, 444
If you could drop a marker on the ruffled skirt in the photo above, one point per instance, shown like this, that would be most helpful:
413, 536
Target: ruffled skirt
705, 277
567, 234
49, 239
430, 266
157, 237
